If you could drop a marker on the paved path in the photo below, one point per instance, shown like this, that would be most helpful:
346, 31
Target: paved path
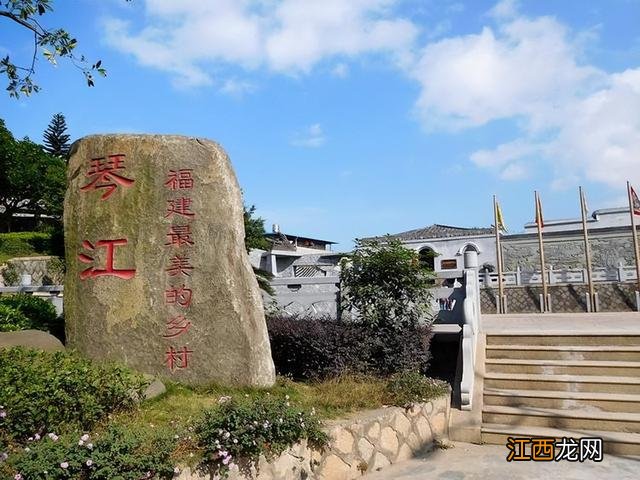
465, 461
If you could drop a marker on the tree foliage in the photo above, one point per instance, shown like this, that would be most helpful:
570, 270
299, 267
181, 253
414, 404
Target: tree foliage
254, 230
254, 239
31, 181
53, 44
56, 141
385, 285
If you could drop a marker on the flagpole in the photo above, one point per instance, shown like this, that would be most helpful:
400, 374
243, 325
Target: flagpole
587, 252
544, 306
635, 235
500, 302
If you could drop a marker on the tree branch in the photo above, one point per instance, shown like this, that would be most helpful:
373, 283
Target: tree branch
19, 20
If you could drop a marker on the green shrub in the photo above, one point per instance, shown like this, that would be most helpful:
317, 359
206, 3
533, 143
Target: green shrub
406, 388
11, 319
22, 244
319, 348
44, 392
119, 453
243, 430
41, 314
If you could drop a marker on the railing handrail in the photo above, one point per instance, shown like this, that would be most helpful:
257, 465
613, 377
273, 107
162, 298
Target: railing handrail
622, 273
470, 331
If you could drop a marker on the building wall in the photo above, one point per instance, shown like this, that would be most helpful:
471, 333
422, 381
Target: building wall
453, 248
609, 248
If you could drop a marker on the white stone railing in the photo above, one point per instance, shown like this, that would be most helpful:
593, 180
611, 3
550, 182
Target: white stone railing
470, 330
622, 273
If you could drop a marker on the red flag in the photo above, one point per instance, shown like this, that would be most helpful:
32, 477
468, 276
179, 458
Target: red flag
635, 201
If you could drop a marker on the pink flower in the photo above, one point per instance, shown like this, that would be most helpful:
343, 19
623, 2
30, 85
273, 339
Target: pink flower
89, 462
18, 476
64, 465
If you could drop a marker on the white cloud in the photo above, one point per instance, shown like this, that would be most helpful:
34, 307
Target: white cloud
515, 171
237, 88
341, 70
600, 134
191, 38
575, 121
312, 137
524, 68
504, 9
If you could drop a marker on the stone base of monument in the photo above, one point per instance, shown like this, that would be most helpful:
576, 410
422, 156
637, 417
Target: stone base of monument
157, 272
365, 442
35, 339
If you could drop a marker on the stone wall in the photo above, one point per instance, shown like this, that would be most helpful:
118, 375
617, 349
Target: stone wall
43, 270
365, 442
567, 251
612, 297
314, 296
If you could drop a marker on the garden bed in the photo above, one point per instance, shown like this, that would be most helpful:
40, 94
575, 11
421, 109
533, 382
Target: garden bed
362, 442
72, 418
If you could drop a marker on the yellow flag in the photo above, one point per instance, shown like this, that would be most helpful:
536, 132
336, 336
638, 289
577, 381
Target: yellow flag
539, 219
499, 219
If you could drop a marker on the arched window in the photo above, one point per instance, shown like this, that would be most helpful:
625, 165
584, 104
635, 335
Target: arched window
427, 255
470, 247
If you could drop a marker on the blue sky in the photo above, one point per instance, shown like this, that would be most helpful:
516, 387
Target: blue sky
354, 118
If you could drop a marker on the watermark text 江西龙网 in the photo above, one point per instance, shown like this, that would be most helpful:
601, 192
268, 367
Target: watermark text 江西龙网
533, 449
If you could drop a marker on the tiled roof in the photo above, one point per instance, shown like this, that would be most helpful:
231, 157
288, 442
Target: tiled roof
440, 231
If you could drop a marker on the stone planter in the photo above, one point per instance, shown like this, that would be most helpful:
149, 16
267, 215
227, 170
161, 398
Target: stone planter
364, 442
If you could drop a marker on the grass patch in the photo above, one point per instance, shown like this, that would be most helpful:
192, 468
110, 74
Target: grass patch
331, 399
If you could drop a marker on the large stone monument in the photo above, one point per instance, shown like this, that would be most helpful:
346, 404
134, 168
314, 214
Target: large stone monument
157, 273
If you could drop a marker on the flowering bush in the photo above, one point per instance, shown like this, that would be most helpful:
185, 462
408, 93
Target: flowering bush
117, 453
246, 429
43, 392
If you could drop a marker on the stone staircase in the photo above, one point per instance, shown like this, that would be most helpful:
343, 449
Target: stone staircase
557, 385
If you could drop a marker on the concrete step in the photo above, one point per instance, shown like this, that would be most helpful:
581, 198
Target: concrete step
564, 367
608, 402
566, 352
564, 338
584, 419
573, 383
615, 443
